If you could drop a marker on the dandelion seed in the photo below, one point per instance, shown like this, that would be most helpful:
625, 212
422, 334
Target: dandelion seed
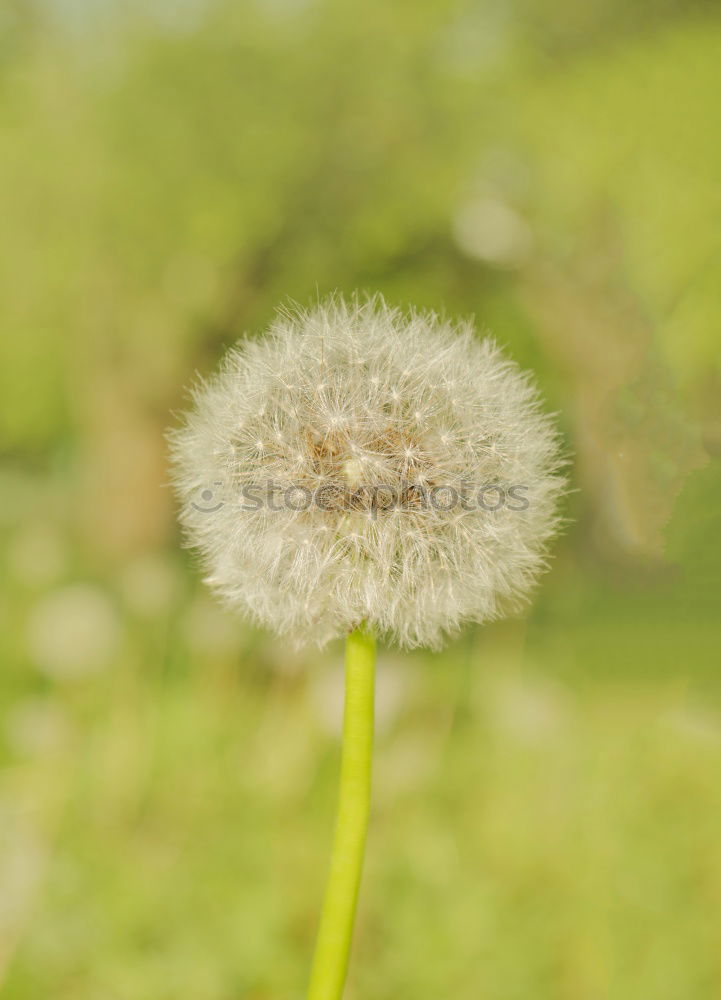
408, 572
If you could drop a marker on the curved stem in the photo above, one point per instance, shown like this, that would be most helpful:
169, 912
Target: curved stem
339, 906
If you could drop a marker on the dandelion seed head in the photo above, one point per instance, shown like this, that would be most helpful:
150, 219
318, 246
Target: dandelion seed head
364, 409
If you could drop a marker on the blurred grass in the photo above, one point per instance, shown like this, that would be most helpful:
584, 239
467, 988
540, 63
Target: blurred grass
547, 797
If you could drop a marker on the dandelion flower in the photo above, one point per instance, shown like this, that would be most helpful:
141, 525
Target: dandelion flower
362, 465
361, 471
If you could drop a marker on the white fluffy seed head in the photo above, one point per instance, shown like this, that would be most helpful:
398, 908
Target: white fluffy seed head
362, 465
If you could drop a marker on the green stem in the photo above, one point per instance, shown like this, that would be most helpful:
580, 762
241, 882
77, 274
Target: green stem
336, 923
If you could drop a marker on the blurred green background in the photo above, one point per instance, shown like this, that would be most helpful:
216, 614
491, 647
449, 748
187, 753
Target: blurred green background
547, 819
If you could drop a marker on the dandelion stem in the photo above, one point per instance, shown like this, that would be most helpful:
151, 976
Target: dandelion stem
336, 923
